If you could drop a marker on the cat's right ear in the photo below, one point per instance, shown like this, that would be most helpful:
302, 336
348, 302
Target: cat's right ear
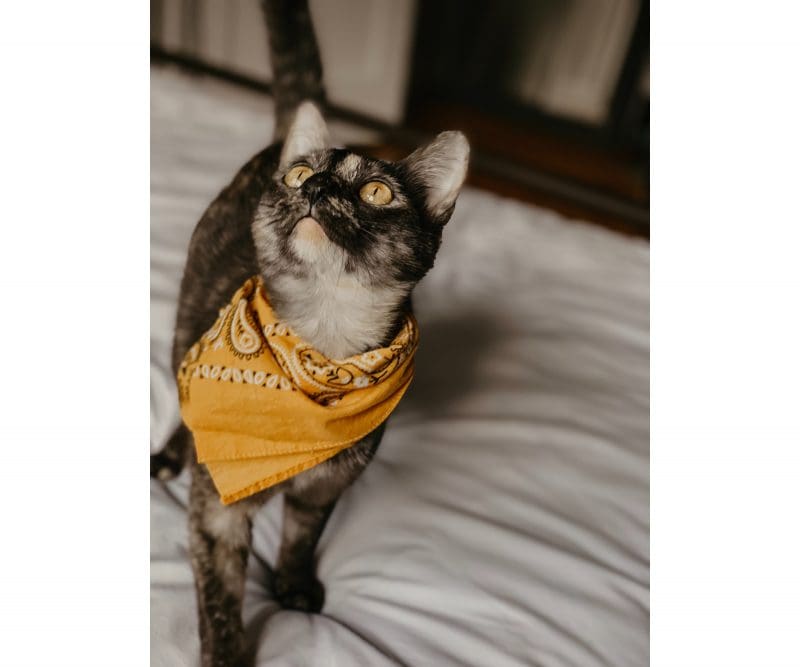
439, 169
308, 133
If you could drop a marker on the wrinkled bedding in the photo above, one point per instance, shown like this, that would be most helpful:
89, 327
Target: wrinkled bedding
505, 518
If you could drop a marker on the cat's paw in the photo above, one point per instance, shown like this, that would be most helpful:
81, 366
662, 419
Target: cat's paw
164, 467
302, 592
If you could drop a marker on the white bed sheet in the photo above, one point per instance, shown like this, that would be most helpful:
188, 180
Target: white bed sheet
505, 518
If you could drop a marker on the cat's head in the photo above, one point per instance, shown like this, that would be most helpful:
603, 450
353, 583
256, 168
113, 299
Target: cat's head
330, 212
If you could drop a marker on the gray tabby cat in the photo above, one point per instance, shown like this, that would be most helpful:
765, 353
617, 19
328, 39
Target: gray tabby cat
340, 240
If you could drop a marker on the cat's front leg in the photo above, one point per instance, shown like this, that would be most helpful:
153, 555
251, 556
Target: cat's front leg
296, 584
219, 541
308, 502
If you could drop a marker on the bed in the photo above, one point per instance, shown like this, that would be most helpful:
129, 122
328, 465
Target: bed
505, 518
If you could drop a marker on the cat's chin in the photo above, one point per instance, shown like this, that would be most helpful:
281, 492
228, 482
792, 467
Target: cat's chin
309, 230
310, 240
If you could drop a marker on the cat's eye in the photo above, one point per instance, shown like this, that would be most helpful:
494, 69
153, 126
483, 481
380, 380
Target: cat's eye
296, 176
376, 193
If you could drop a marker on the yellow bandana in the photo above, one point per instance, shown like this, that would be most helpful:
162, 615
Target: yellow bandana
263, 405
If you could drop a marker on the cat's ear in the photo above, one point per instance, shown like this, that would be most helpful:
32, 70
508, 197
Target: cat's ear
308, 133
439, 168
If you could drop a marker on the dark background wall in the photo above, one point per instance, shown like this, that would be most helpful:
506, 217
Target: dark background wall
553, 94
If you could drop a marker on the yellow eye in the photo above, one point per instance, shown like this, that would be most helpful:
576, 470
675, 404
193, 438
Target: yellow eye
296, 176
376, 193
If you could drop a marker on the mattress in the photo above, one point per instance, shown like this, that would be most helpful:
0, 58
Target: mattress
505, 517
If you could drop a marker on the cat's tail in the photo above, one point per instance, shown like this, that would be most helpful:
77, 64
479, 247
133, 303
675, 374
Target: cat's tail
296, 65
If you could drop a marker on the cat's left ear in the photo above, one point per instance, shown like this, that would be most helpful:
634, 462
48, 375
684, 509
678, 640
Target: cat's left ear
439, 168
308, 133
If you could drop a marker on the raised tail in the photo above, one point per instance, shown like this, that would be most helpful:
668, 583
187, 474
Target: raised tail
296, 65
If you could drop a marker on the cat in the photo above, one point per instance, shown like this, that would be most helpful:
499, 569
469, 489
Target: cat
340, 241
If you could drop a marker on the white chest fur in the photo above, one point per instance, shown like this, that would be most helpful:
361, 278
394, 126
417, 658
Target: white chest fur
335, 313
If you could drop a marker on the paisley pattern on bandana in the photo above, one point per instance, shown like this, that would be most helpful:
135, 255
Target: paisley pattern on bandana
264, 405
240, 331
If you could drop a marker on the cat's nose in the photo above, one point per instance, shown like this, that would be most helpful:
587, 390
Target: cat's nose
315, 188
